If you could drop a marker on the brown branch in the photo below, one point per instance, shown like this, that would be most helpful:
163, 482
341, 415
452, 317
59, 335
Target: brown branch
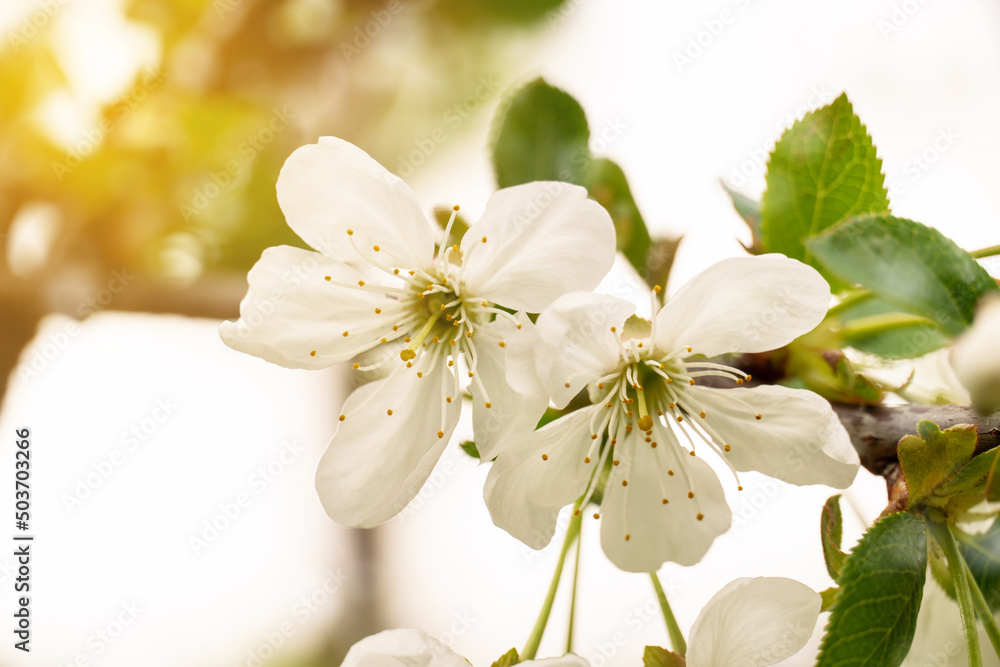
876, 430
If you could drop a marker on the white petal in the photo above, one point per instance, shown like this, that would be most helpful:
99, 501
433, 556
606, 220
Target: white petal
976, 358
326, 188
659, 532
291, 310
512, 410
376, 463
754, 623
798, 438
525, 492
543, 239
744, 304
402, 648
575, 342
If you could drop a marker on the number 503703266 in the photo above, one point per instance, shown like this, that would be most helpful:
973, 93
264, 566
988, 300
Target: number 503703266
22, 479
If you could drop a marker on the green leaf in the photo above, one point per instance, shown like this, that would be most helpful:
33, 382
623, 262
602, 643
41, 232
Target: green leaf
970, 479
982, 553
932, 457
469, 447
607, 185
830, 374
831, 532
822, 170
749, 210
993, 483
873, 619
909, 265
543, 137
654, 656
828, 596
507, 659
905, 341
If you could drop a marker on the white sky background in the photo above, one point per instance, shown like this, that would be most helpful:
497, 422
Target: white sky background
446, 568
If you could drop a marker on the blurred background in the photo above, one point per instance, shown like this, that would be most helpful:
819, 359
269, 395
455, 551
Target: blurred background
173, 505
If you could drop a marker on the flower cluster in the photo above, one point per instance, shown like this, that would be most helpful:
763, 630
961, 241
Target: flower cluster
505, 316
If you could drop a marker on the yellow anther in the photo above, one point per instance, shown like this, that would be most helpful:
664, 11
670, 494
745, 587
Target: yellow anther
600, 385
593, 436
566, 385
627, 536
313, 353
614, 329
700, 516
502, 344
656, 288
739, 488
586, 459
489, 405
456, 207
702, 414
670, 472
689, 349
407, 339
361, 283
350, 232
420, 374
375, 248
344, 334
653, 445
758, 416
389, 412
395, 272
384, 341
395, 327
749, 377
665, 501
615, 462
454, 248
328, 278
691, 453
691, 381
356, 366
624, 482
545, 457
518, 326
727, 448
484, 239
440, 434
596, 515
679, 419
448, 399
690, 494
471, 374
342, 417
483, 304
378, 311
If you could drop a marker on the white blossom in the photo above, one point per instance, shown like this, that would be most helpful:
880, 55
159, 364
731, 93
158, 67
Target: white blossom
651, 421
383, 281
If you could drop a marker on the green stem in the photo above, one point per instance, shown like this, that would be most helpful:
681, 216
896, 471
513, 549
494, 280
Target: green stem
677, 642
957, 567
851, 299
572, 532
864, 327
985, 615
572, 599
986, 252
